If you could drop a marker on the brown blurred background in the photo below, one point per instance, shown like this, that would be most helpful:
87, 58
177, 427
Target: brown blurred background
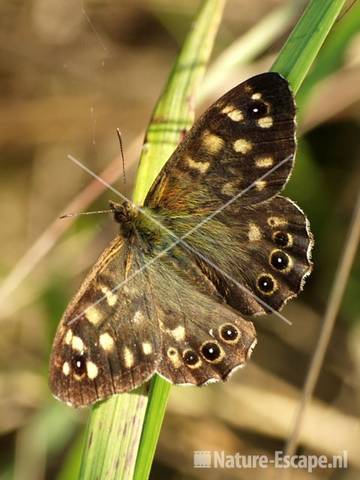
71, 72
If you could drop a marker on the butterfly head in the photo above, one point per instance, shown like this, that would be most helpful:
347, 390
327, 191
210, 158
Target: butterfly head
124, 214
130, 218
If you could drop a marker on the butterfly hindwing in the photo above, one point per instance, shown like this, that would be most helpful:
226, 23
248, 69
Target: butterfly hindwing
203, 339
270, 245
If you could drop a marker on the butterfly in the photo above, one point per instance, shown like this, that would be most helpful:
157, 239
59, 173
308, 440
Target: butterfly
213, 244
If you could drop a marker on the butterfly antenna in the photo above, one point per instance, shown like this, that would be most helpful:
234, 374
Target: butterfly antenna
122, 154
67, 215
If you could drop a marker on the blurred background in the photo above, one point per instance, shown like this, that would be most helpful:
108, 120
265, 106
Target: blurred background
71, 72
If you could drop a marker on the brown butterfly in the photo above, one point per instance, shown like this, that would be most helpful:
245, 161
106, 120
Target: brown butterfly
213, 242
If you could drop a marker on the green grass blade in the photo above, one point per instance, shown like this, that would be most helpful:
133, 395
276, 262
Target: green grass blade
112, 436
305, 41
158, 397
175, 112
251, 44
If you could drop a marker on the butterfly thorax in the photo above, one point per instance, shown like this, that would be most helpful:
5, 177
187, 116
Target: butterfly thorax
137, 224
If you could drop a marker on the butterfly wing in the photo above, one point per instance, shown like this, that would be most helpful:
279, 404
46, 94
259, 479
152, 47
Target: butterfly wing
107, 341
258, 260
219, 188
127, 321
203, 339
245, 142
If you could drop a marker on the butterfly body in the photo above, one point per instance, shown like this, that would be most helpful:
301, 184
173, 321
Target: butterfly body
214, 242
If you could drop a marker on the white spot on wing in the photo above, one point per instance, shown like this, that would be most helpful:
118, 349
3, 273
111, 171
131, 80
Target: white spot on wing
92, 315
68, 337
147, 348
106, 341
178, 333
254, 233
264, 162
260, 185
265, 122
200, 166
256, 96
77, 344
92, 370
128, 357
138, 317
111, 297
66, 368
242, 146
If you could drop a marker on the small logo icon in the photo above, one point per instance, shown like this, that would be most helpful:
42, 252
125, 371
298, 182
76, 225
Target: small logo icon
202, 459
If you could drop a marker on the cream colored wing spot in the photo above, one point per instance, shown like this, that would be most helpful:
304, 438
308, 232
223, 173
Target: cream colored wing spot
106, 342
147, 348
110, 296
178, 333
212, 143
173, 356
66, 368
68, 337
276, 221
233, 113
77, 344
254, 233
251, 349
138, 317
93, 315
242, 146
264, 162
256, 96
91, 370
201, 167
265, 122
230, 189
128, 357
260, 185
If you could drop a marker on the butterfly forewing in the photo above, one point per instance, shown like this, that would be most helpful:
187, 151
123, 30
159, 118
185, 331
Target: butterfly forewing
243, 145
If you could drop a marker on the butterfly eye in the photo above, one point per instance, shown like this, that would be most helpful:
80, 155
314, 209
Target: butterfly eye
229, 333
211, 352
119, 216
279, 260
257, 109
266, 284
78, 364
